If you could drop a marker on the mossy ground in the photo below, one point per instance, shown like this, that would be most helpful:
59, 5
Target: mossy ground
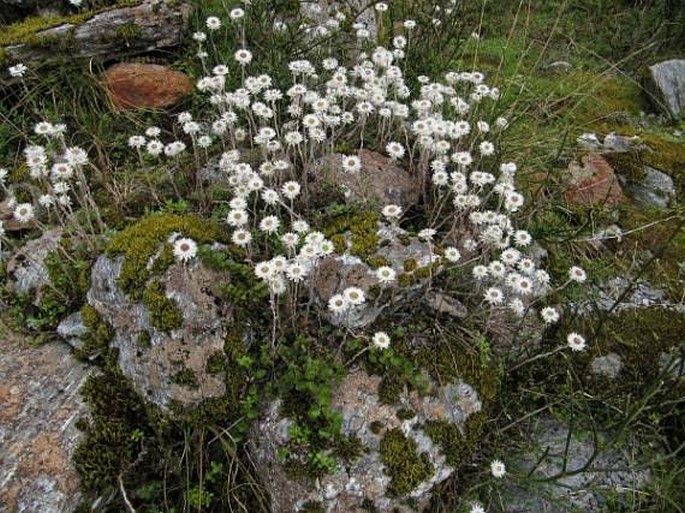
406, 468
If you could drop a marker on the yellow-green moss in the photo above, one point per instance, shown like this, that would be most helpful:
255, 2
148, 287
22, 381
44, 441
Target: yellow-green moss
144, 340
377, 261
406, 468
140, 242
454, 445
362, 228
108, 448
410, 265
164, 313
98, 335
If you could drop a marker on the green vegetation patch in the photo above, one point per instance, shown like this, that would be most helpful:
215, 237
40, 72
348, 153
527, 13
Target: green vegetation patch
164, 312
362, 227
455, 445
406, 468
139, 243
98, 336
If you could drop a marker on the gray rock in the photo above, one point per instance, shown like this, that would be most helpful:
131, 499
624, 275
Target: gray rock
71, 329
443, 303
655, 190
357, 400
582, 473
334, 274
152, 366
26, 270
667, 83
39, 394
148, 27
608, 366
620, 143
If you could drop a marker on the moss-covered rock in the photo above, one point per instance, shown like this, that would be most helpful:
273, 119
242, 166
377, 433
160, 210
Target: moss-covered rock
404, 465
140, 242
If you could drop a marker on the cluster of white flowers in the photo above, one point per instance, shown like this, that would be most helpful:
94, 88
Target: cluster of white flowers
54, 168
444, 139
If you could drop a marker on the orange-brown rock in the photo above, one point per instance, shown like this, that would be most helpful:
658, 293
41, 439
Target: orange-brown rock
136, 85
593, 184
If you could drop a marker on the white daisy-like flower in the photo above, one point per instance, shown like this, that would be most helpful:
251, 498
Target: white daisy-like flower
522, 238
354, 295
409, 24
385, 274
241, 237
426, 234
213, 23
452, 254
23, 213
395, 150
480, 272
46, 200
236, 13
296, 272
392, 212
576, 342
264, 270
136, 141
486, 148
290, 240
269, 224
351, 163
185, 249
243, 57
494, 296
381, 340
300, 226
17, 70
549, 315
577, 274
291, 190
476, 508
497, 469
338, 304
237, 217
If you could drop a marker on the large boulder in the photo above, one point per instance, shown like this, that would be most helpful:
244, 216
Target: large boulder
39, 394
571, 470
107, 35
166, 363
380, 181
371, 478
666, 83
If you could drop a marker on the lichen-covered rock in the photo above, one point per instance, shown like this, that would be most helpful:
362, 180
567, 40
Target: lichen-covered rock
380, 181
26, 270
164, 342
72, 329
609, 365
112, 33
373, 476
39, 394
135, 85
334, 274
655, 190
582, 472
666, 81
